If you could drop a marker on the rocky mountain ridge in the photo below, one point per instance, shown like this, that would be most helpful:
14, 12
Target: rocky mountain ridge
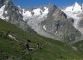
10, 13
47, 20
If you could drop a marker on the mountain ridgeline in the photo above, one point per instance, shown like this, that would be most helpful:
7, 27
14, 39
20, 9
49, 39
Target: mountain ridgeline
47, 20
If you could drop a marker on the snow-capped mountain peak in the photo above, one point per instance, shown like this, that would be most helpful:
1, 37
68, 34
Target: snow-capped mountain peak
74, 11
76, 3
75, 8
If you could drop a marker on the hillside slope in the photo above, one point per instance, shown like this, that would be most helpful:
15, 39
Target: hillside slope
11, 49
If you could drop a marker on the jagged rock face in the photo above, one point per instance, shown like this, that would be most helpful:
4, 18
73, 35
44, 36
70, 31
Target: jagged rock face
3, 2
11, 14
58, 24
80, 26
81, 23
56, 13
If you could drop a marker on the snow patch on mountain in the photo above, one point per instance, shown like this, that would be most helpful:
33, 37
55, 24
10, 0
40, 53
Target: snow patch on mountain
46, 10
1, 12
26, 14
6, 12
44, 27
37, 18
37, 11
44, 13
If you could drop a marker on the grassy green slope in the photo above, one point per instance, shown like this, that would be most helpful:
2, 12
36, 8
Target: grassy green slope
79, 46
51, 49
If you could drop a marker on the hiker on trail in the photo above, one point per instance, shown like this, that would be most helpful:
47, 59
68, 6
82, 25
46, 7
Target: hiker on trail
37, 44
27, 45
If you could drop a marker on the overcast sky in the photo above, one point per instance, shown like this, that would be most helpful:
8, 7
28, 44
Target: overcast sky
60, 3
